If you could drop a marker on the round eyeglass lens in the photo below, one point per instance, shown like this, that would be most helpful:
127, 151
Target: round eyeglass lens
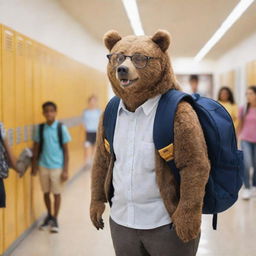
119, 59
139, 60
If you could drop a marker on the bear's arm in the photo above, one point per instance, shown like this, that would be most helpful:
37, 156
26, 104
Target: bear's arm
100, 166
191, 157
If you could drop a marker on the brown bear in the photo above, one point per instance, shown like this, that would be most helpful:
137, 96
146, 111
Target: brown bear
150, 213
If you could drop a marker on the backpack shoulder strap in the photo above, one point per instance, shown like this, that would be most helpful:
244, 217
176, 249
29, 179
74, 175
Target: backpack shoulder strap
109, 122
41, 137
163, 131
60, 134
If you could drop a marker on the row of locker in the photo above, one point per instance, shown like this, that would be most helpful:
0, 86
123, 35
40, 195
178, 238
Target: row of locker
31, 73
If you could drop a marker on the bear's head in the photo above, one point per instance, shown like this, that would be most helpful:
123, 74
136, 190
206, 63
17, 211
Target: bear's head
139, 67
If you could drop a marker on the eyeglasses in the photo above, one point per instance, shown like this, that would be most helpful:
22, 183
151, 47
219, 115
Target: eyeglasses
139, 60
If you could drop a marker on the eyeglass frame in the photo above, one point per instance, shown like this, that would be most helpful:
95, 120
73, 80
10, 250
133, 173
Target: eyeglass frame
130, 56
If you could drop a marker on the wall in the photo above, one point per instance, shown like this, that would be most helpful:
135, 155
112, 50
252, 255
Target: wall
30, 74
47, 22
189, 66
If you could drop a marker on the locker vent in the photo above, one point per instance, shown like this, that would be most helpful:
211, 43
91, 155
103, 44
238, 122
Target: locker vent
29, 48
8, 40
20, 46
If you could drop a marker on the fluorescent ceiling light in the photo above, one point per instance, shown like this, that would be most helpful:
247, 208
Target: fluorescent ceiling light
225, 26
132, 12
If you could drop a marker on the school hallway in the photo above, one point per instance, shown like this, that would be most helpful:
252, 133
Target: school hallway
79, 238
62, 61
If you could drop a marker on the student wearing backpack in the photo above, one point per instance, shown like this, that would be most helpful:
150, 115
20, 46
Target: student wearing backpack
151, 214
51, 157
155, 148
7, 160
247, 135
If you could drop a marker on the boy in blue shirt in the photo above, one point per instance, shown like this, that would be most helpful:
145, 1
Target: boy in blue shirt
51, 158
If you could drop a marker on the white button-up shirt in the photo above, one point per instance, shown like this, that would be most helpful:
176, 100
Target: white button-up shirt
136, 202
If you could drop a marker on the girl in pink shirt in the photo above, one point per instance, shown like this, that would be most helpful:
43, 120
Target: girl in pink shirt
247, 135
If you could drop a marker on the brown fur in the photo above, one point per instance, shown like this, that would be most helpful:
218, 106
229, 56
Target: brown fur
184, 203
162, 39
111, 38
99, 173
191, 158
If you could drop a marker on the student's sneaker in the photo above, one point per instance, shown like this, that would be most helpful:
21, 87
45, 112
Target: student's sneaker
246, 194
253, 192
54, 226
46, 223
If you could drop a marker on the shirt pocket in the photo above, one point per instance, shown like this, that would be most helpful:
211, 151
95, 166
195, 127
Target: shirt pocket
147, 155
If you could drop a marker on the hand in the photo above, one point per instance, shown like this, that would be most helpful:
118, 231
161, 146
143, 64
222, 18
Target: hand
187, 223
64, 176
34, 171
20, 172
96, 211
19, 168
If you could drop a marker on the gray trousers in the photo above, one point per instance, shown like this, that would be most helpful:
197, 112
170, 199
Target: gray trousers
162, 241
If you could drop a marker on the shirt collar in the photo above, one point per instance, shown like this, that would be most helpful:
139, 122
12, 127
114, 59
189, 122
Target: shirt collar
54, 124
147, 106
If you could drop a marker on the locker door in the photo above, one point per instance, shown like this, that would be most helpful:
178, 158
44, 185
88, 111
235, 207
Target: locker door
8, 115
37, 197
1, 210
44, 80
251, 73
28, 122
228, 79
20, 119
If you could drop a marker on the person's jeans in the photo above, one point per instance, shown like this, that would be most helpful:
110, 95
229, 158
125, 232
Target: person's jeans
249, 150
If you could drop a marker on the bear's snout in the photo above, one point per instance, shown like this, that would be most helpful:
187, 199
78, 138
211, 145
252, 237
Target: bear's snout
126, 74
122, 72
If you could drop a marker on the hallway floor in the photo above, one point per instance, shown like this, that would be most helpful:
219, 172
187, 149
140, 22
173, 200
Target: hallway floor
235, 235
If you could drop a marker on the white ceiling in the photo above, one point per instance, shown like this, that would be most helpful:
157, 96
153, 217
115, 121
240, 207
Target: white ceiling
190, 22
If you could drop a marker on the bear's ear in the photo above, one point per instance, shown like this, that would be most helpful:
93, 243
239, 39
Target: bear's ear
162, 39
111, 38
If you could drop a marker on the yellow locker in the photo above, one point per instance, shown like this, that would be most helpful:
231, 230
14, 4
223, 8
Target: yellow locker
20, 121
46, 82
228, 79
8, 114
1, 210
37, 198
27, 128
251, 73
49, 76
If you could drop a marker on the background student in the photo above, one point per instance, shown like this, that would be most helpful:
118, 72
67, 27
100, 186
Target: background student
247, 135
226, 99
91, 117
51, 157
7, 160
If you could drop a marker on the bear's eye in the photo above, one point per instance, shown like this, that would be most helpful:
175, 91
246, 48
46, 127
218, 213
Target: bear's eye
120, 58
139, 60
116, 59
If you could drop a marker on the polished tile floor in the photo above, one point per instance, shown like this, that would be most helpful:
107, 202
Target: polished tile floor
236, 234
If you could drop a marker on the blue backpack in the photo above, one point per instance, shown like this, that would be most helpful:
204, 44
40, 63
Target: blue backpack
226, 173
